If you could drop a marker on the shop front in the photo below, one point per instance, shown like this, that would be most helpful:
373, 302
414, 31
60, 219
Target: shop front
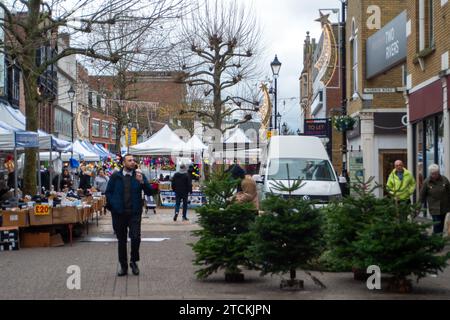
428, 108
376, 142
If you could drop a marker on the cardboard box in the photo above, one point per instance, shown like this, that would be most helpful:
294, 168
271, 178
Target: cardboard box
65, 215
15, 218
35, 239
40, 220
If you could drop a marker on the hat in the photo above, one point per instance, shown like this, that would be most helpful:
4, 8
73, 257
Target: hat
183, 168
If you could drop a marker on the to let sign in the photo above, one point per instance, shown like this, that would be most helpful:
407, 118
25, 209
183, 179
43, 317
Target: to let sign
42, 210
317, 127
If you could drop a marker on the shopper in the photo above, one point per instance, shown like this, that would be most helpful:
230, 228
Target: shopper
124, 200
436, 192
101, 181
401, 183
249, 193
85, 178
66, 180
182, 186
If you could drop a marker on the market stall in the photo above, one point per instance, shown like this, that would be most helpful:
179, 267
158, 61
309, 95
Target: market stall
163, 153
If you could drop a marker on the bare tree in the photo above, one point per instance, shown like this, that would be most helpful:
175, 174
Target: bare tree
31, 24
144, 48
220, 44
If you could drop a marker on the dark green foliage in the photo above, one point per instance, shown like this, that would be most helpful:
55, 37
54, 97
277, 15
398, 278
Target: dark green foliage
365, 230
224, 236
343, 221
288, 236
220, 188
400, 247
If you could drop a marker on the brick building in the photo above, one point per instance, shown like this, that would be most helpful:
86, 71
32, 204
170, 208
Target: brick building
376, 81
148, 94
92, 121
428, 79
321, 85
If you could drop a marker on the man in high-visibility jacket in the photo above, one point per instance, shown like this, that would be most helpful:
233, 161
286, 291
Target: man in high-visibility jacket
401, 183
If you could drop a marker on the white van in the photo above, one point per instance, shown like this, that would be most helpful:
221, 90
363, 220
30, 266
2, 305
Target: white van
306, 159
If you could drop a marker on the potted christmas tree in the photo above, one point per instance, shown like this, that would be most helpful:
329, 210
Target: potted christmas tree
399, 246
344, 219
224, 237
287, 236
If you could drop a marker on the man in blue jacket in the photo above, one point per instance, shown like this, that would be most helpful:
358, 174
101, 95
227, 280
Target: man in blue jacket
124, 200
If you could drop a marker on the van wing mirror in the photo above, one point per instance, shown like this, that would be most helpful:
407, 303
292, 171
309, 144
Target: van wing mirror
258, 178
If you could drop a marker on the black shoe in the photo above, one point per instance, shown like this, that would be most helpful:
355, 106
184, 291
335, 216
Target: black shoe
175, 217
122, 272
134, 268
185, 219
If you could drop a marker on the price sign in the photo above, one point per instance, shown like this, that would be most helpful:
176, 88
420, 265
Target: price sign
42, 210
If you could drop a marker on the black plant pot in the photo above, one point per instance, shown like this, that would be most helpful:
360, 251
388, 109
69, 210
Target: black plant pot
292, 284
360, 274
234, 277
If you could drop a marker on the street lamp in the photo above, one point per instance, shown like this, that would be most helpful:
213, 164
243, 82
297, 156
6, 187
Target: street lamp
284, 129
278, 122
129, 126
71, 94
275, 66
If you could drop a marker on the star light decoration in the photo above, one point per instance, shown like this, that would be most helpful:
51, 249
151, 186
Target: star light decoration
327, 47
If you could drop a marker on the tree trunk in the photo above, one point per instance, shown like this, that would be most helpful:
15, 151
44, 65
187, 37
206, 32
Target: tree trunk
32, 124
293, 274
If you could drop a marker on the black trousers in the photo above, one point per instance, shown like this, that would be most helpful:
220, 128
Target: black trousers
178, 199
124, 225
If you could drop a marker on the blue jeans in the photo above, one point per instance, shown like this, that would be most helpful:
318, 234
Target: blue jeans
438, 227
178, 199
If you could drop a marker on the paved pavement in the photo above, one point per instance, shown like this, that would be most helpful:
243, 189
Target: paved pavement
166, 272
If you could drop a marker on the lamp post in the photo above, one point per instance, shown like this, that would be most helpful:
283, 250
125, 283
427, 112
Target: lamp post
275, 66
344, 96
284, 129
129, 126
71, 94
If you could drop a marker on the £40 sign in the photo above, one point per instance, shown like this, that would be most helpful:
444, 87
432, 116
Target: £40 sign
42, 210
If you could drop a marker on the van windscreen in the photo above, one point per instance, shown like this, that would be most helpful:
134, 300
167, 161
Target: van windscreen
304, 169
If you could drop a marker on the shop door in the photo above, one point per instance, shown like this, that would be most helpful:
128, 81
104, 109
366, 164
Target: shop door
387, 160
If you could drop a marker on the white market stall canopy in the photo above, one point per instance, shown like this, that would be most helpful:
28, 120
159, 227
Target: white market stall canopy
11, 138
238, 136
85, 153
164, 142
16, 120
196, 144
45, 156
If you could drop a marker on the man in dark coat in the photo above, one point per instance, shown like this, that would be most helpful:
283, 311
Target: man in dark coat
182, 186
436, 192
124, 200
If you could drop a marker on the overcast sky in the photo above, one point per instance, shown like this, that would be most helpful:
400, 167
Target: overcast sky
284, 24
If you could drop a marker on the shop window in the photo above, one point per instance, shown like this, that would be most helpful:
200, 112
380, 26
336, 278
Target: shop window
95, 128
440, 144
105, 130
430, 143
420, 174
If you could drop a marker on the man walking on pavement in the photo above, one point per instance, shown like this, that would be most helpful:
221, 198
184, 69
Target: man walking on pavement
401, 183
124, 200
182, 186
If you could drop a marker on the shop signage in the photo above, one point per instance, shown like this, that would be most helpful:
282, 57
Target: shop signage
390, 122
317, 127
42, 210
168, 198
387, 47
27, 139
380, 90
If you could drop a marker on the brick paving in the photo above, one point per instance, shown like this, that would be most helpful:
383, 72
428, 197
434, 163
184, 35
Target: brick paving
166, 272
